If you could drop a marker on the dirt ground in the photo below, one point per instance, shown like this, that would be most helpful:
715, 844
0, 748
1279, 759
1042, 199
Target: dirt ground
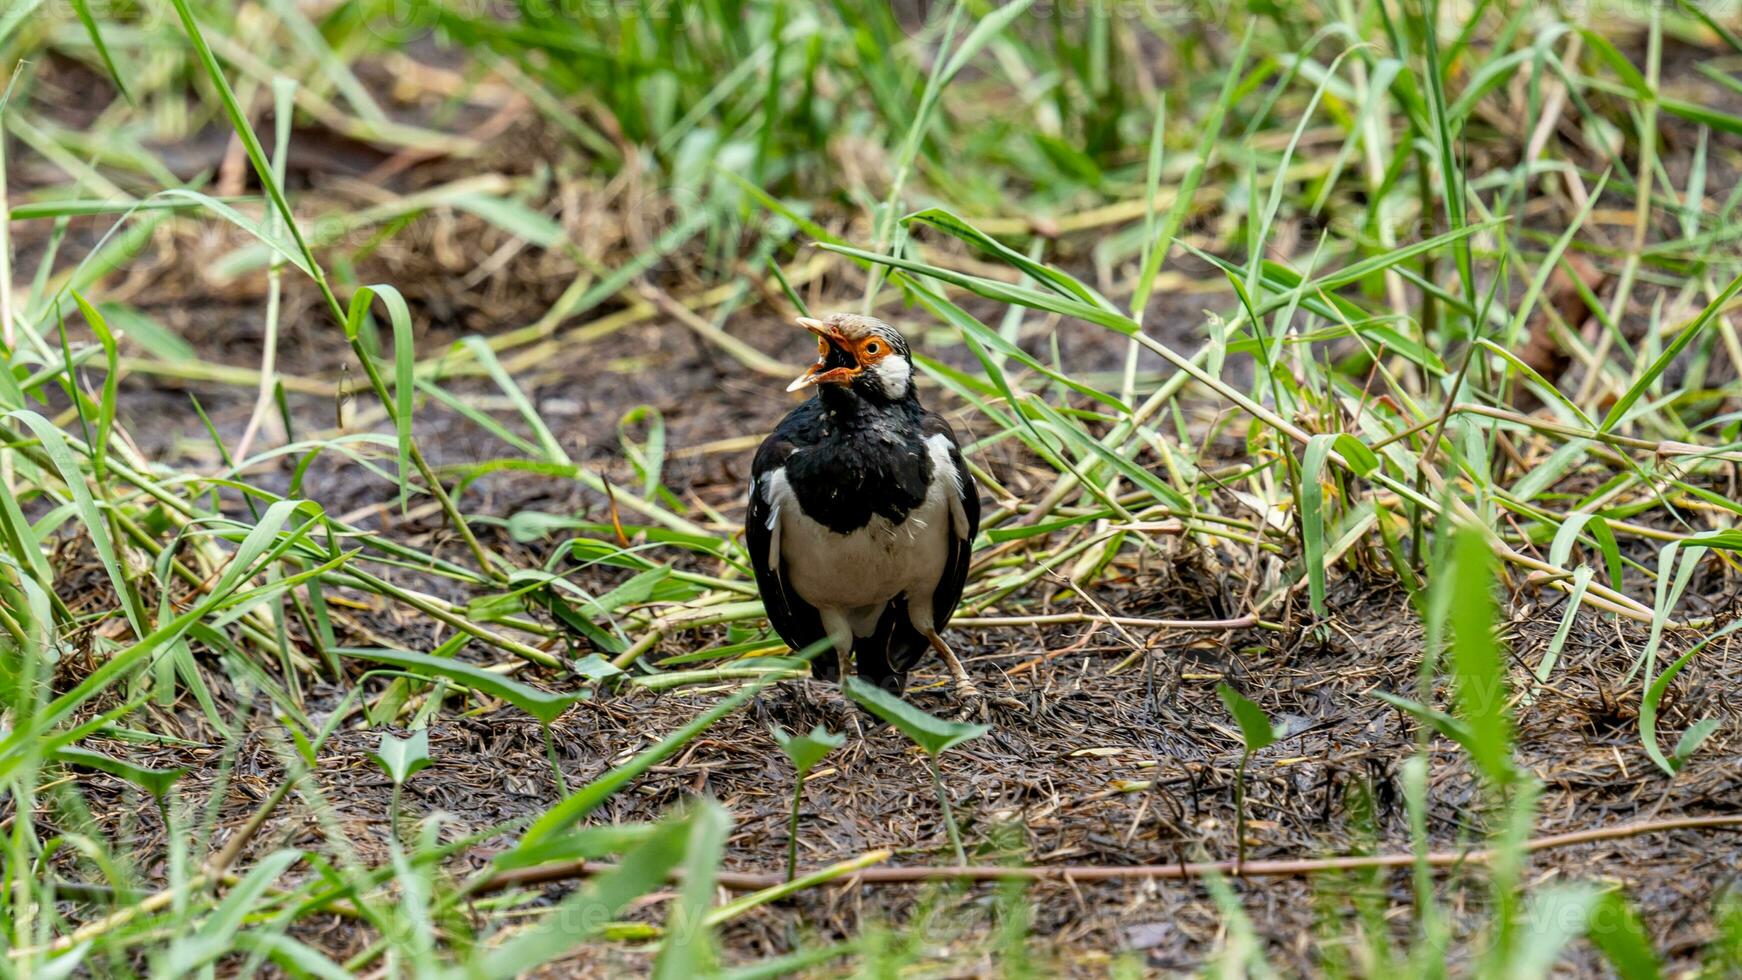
1088, 771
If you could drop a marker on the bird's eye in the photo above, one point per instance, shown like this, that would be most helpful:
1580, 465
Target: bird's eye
873, 348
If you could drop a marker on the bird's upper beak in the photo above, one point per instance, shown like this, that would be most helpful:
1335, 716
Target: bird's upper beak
836, 366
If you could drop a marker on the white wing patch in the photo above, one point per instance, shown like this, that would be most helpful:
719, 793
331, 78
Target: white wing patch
943, 467
775, 492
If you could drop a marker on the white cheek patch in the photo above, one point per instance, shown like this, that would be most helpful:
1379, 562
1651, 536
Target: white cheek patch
892, 372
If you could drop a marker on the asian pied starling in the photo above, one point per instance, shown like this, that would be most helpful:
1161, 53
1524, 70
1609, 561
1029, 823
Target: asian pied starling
862, 512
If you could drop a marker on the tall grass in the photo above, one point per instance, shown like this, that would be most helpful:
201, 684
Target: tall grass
1382, 194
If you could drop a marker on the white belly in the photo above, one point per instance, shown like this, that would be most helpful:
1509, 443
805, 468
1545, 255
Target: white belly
850, 577
869, 566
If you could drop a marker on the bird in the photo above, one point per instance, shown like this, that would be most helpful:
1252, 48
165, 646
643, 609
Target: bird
862, 513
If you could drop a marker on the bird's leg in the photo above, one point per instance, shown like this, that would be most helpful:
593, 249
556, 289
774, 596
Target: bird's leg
840, 633
972, 701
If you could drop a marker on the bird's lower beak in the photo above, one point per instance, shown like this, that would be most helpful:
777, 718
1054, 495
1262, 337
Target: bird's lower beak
821, 373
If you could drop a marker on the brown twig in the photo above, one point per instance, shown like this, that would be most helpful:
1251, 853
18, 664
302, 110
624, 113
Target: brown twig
1047, 619
752, 881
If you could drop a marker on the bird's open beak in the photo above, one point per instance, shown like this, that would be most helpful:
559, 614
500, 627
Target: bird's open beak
821, 373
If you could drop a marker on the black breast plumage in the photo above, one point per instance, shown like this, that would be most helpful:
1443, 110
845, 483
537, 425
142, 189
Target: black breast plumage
844, 469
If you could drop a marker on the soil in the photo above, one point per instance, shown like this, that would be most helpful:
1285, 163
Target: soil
1094, 768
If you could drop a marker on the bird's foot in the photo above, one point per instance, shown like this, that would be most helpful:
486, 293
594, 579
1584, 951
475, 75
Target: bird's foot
973, 704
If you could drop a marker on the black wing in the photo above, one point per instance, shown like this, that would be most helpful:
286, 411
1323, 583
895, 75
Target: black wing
904, 647
794, 619
955, 577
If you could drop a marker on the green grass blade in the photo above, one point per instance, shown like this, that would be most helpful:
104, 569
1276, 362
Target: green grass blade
583, 801
1312, 516
543, 705
1477, 669
404, 363
1683, 338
